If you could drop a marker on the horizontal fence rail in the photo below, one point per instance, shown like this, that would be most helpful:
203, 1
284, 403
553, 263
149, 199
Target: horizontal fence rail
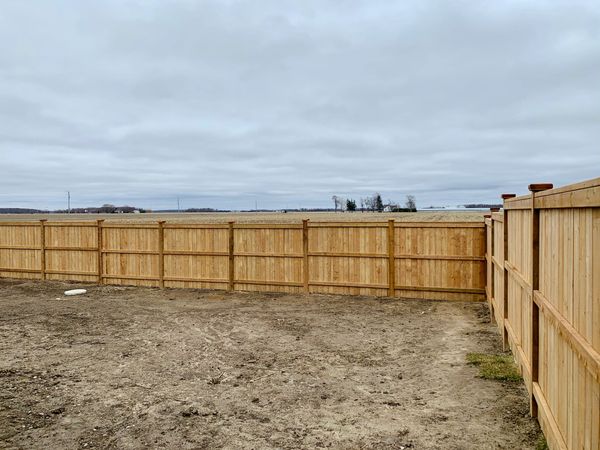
398, 259
543, 289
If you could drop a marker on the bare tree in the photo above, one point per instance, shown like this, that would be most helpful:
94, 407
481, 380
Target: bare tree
391, 205
411, 202
374, 203
335, 199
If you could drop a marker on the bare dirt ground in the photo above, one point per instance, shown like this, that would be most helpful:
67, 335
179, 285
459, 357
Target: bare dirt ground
147, 368
263, 217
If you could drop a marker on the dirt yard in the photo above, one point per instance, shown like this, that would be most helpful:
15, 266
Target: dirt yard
144, 368
263, 217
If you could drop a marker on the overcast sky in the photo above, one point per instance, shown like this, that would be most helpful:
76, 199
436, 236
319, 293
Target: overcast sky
287, 103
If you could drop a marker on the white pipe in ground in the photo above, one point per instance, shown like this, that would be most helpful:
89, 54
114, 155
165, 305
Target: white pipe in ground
75, 292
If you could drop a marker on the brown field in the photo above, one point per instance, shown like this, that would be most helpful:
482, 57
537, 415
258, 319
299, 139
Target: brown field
262, 217
133, 368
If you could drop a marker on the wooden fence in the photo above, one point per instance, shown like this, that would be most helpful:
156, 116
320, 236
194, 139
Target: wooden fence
542, 255
419, 260
543, 287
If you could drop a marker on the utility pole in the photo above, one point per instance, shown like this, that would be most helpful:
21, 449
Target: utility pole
68, 202
178, 209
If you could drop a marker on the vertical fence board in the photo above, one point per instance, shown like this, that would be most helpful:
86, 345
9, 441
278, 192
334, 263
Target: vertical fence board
99, 248
161, 254
231, 263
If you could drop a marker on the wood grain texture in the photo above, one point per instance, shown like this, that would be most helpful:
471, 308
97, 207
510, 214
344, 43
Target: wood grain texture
391, 259
161, 255
552, 277
418, 260
43, 249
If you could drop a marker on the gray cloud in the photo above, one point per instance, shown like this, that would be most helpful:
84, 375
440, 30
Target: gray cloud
224, 102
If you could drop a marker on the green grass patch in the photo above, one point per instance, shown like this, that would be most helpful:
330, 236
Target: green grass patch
495, 367
541, 444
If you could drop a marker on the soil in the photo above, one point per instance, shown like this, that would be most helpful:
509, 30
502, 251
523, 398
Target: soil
262, 217
124, 367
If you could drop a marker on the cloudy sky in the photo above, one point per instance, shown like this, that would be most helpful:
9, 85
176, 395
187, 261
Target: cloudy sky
284, 103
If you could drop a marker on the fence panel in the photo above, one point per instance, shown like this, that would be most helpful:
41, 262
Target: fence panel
20, 250
347, 258
196, 256
553, 301
439, 260
71, 251
130, 254
268, 258
498, 267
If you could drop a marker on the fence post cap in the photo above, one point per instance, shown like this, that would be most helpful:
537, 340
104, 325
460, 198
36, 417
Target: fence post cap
537, 187
487, 216
495, 209
505, 196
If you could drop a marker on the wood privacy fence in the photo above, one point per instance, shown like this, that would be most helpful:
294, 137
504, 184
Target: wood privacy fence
543, 287
419, 260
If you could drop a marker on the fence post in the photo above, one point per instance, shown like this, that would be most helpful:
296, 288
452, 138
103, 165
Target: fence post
305, 272
391, 260
535, 285
505, 270
490, 252
43, 248
489, 266
231, 284
100, 248
161, 253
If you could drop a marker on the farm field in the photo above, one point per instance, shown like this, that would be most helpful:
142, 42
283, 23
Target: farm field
139, 367
263, 217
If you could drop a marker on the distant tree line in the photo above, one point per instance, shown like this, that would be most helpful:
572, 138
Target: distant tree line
22, 211
483, 205
373, 203
107, 208
104, 209
194, 210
